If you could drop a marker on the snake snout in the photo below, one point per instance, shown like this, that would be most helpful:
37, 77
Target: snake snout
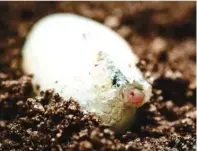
134, 97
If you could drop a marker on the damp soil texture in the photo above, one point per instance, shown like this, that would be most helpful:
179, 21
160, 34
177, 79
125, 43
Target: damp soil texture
162, 34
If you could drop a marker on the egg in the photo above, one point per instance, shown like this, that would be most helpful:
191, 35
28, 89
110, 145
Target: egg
85, 60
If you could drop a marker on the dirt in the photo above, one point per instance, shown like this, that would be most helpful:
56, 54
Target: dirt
162, 34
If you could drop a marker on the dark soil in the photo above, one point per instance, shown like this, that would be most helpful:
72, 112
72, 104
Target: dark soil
162, 34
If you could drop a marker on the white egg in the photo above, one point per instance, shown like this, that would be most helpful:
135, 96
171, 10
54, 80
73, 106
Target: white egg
89, 62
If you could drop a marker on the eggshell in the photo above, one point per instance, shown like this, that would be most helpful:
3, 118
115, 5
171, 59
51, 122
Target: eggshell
61, 51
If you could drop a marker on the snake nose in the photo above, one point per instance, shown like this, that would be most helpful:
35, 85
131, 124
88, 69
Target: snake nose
136, 97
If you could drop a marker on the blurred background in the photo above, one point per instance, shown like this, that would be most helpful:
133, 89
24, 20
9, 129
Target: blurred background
162, 34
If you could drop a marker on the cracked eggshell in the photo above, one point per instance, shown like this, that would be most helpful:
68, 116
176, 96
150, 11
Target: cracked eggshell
61, 51
58, 35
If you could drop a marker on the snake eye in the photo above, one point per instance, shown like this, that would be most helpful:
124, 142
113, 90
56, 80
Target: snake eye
116, 82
